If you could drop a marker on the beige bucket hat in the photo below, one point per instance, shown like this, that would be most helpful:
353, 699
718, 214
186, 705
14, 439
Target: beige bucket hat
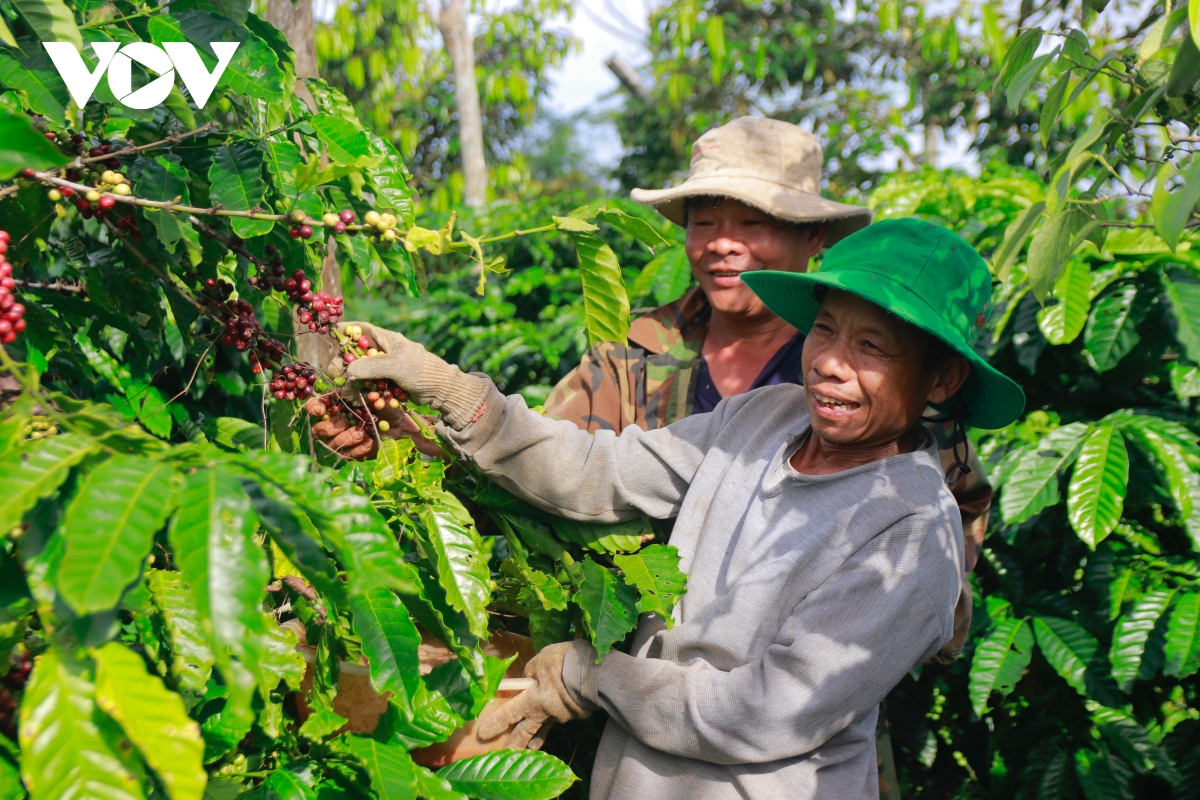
766, 163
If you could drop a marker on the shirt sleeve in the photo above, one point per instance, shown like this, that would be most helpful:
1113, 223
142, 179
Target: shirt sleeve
844, 647
592, 477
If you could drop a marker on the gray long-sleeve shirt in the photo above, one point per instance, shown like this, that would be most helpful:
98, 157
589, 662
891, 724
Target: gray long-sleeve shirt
809, 597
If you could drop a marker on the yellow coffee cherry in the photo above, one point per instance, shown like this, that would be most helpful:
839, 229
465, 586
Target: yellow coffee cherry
92, 196
55, 195
389, 220
371, 218
389, 235
393, 403
122, 189
330, 220
380, 404
384, 427
371, 351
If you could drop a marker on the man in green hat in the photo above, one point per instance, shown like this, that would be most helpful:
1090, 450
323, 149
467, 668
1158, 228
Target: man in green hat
823, 548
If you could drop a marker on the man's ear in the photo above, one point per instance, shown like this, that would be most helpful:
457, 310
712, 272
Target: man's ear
819, 234
949, 380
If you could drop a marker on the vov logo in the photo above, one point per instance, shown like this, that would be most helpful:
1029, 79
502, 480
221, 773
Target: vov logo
164, 61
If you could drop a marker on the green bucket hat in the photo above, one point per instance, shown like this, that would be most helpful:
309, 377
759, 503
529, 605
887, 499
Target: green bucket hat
922, 273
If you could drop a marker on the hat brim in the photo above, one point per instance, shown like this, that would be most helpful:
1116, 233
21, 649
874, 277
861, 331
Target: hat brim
992, 399
775, 199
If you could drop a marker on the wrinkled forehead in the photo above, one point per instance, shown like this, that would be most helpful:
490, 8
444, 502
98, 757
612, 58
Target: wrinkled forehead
848, 310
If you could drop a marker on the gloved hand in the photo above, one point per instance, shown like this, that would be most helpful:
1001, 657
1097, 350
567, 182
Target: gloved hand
427, 379
531, 713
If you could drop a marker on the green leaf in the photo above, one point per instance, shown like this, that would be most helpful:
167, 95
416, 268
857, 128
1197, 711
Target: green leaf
346, 143
63, 752
1111, 330
1051, 246
36, 75
609, 606
279, 659
509, 775
283, 784
1014, 239
191, 659
1019, 54
163, 179
1131, 634
1096, 493
392, 771
321, 723
34, 471
390, 641
1103, 776
1172, 211
7, 38
1000, 661
1170, 458
1033, 483
636, 227
1183, 296
154, 719
605, 303
50, 20
1023, 79
24, 146
1067, 647
1183, 637
390, 179
1185, 70
295, 535
1193, 12
667, 276
461, 572
655, 572
1051, 107
237, 184
620, 537
110, 526
1131, 740
433, 787
1158, 34
1064, 321
226, 571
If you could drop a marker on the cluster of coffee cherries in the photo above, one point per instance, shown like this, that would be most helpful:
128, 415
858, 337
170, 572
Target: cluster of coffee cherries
294, 382
338, 222
317, 310
12, 313
242, 330
302, 225
376, 394
270, 277
11, 687
381, 227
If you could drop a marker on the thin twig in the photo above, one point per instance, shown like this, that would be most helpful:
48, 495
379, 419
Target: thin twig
56, 286
225, 240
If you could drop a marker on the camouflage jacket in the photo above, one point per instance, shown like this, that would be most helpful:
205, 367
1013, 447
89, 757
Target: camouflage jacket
651, 382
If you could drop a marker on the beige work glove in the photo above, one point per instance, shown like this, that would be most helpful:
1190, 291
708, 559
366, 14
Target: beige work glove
531, 713
428, 379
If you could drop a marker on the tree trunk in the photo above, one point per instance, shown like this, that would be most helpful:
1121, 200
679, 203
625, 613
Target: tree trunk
296, 23
452, 22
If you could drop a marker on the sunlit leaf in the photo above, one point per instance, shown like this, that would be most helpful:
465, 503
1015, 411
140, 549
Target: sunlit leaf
1000, 661
509, 775
110, 526
63, 752
1131, 635
154, 719
609, 606
655, 572
1096, 493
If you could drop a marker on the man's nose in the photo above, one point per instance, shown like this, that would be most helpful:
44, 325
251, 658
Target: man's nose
833, 361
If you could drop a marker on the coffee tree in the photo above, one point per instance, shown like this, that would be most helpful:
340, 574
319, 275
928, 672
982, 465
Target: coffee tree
171, 531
